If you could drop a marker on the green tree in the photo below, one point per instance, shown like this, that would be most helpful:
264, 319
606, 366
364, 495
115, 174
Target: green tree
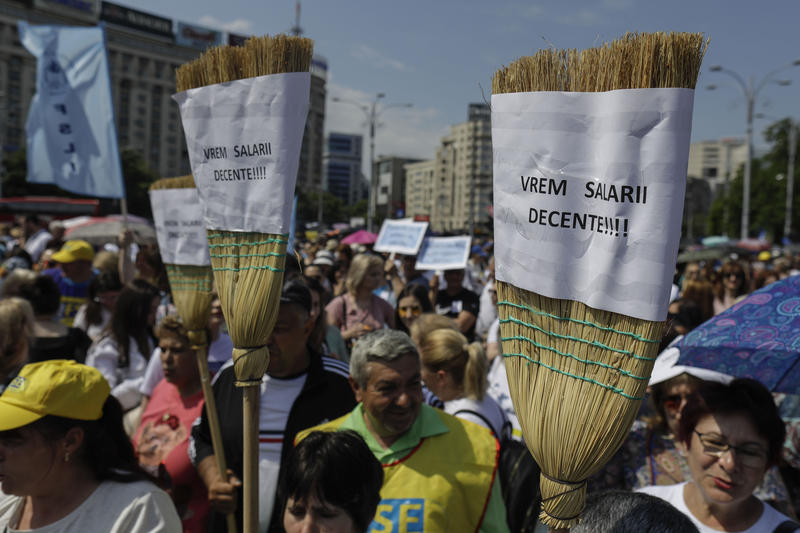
767, 192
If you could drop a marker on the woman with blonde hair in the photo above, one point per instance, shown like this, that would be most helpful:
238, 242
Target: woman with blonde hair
359, 311
16, 336
456, 372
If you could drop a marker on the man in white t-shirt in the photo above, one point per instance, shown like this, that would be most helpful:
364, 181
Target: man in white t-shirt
301, 389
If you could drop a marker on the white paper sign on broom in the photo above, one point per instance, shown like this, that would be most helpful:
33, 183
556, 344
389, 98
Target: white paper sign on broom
244, 138
586, 188
181, 232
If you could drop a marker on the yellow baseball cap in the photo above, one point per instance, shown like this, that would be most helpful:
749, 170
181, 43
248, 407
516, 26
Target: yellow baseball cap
74, 251
57, 387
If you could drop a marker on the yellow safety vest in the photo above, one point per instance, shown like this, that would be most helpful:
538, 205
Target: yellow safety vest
441, 485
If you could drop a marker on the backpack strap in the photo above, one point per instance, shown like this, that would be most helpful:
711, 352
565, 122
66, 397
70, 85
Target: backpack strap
485, 420
787, 526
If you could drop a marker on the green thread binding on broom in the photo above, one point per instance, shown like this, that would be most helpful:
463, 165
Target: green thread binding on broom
270, 254
591, 324
265, 267
616, 390
573, 356
576, 339
254, 243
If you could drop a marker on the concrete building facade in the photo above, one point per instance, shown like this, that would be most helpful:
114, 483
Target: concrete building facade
144, 51
391, 177
459, 194
716, 161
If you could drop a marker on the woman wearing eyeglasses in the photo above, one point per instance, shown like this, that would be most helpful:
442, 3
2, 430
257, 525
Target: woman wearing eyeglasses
653, 454
731, 284
732, 435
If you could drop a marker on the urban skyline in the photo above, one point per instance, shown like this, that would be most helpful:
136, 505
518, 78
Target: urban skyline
441, 56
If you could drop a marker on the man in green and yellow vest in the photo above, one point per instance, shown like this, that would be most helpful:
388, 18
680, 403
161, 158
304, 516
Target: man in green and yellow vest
440, 472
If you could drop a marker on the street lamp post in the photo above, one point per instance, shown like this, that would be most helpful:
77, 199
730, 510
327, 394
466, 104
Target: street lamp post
750, 91
371, 112
787, 224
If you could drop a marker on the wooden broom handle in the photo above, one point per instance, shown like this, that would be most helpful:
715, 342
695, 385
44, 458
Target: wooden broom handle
250, 415
213, 422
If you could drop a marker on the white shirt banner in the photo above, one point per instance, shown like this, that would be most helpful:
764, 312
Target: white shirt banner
443, 253
244, 142
588, 194
180, 230
400, 236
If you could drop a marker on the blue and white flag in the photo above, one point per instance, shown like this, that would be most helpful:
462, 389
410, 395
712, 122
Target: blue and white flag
72, 142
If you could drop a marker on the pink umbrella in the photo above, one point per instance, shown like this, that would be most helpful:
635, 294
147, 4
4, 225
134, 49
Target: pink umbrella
360, 237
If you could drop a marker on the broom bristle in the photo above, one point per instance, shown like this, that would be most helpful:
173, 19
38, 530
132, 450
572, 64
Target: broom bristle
577, 374
181, 182
248, 267
636, 61
259, 56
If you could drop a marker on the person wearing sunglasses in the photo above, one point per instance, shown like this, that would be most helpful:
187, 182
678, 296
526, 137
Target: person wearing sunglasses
732, 435
730, 286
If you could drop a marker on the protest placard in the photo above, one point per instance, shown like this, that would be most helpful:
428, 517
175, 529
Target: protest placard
180, 230
443, 253
400, 236
586, 187
244, 139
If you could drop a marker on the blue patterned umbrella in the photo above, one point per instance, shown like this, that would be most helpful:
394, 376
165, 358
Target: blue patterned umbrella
757, 338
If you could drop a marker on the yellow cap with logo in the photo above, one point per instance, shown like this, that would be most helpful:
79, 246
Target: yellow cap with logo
59, 388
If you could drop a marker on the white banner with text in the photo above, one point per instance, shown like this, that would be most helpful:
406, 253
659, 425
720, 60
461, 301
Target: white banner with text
400, 236
180, 230
588, 194
244, 141
443, 253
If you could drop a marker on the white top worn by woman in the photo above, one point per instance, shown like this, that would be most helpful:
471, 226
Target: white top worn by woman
94, 331
124, 381
486, 413
113, 507
770, 518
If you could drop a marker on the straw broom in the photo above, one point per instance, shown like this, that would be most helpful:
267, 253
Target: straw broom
192, 290
577, 374
248, 266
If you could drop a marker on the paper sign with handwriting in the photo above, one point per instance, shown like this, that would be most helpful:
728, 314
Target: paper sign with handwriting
244, 139
588, 194
180, 229
400, 236
443, 253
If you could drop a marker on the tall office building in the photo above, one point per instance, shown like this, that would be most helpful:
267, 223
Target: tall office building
342, 161
144, 50
459, 195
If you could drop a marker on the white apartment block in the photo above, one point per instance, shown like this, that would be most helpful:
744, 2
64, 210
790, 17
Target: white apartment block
716, 161
455, 189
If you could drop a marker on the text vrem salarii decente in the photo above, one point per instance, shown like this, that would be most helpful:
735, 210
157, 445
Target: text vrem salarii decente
239, 150
635, 194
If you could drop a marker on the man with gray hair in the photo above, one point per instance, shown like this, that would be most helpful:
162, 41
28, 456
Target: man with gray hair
439, 471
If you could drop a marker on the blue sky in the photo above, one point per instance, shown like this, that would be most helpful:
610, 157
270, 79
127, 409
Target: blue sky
440, 55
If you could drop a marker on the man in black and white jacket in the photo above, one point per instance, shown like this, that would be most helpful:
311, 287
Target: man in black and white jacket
301, 389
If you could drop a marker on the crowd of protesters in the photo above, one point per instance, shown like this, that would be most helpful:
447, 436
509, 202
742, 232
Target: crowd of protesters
405, 365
